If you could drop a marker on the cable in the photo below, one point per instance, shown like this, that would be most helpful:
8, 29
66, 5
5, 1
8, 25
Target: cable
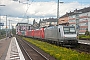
27, 8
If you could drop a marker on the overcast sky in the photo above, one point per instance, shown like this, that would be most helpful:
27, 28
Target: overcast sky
36, 9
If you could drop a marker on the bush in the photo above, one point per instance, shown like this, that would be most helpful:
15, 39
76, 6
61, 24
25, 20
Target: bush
87, 32
60, 53
80, 36
85, 37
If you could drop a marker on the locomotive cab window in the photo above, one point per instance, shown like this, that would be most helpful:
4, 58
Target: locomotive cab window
59, 29
69, 30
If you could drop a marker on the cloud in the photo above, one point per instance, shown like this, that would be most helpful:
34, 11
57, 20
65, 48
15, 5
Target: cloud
13, 20
36, 10
42, 9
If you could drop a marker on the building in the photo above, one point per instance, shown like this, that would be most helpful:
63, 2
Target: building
78, 18
21, 27
63, 19
48, 22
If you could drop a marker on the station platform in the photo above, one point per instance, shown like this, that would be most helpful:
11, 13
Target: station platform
11, 50
84, 42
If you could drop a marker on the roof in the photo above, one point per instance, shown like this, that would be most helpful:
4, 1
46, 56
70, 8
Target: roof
21, 23
50, 20
84, 10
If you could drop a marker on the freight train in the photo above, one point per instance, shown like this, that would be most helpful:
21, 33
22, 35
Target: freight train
63, 35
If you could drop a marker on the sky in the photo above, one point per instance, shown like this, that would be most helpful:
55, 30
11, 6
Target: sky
18, 10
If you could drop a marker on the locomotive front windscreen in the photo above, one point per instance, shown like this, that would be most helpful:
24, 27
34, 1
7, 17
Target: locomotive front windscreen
69, 30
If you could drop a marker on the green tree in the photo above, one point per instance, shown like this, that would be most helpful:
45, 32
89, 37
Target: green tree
34, 21
2, 33
87, 32
13, 30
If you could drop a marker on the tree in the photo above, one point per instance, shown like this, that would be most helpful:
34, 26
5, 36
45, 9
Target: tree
87, 32
13, 30
3, 32
39, 23
33, 21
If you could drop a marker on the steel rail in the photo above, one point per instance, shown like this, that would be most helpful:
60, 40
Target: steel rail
26, 52
36, 50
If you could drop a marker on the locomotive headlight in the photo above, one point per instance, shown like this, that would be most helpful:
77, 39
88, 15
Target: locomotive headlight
62, 41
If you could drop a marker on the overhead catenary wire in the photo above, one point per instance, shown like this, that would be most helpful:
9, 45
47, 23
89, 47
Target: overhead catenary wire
25, 14
27, 9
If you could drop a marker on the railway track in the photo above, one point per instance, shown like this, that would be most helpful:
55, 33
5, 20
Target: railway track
30, 53
25, 53
82, 48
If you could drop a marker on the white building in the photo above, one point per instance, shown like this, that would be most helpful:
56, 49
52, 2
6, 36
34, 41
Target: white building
48, 22
80, 19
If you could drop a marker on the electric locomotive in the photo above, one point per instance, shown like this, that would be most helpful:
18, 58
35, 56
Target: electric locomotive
63, 35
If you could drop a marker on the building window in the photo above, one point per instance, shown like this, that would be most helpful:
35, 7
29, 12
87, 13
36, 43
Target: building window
83, 28
74, 16
72, 25
72, 21
83, 24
